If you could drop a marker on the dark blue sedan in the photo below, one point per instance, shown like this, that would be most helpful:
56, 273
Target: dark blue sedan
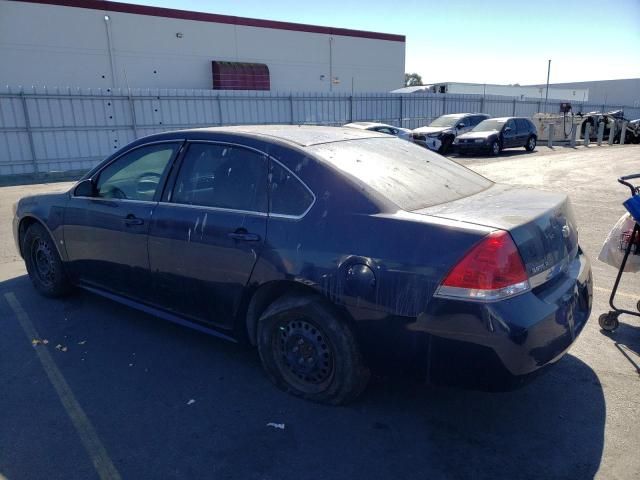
335, 251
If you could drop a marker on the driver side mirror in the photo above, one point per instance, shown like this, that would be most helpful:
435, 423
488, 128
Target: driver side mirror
461, 125
507, 129
86, 188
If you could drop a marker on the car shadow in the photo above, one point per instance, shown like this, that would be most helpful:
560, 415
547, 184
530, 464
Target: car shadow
167, 401
503, 154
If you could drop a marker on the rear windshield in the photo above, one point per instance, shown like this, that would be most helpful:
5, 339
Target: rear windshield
410, 176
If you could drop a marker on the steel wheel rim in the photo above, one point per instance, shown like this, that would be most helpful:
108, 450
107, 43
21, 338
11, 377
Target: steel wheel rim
532, 143
43, 261
496, 148
304, 354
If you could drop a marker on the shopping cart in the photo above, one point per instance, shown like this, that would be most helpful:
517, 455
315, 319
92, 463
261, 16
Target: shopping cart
609, 321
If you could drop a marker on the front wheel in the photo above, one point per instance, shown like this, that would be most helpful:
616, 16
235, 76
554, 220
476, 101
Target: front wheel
308, 350
495, 148
531, 144
43, 263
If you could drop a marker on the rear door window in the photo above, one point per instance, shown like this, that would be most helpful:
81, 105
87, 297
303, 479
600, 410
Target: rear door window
523, 125
408, 175
223, 176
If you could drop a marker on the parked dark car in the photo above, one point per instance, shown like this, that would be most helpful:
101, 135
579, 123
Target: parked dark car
495, 134
440, 133
334, 250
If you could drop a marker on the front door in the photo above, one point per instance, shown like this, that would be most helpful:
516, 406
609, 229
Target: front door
509, 134
105, 235
205, 239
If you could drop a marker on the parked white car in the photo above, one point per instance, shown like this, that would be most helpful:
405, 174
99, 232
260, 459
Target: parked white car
440, 134
403, 133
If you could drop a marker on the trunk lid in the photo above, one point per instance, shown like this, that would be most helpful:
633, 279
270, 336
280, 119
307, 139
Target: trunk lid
541, 224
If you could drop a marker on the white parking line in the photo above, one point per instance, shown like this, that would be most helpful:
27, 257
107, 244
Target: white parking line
88, 436
618, 293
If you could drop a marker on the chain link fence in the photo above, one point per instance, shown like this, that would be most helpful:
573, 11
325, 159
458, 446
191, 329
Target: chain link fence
43, 131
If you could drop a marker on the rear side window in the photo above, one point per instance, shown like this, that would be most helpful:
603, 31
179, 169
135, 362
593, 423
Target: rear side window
410, 176
222, 176
288, 195
523, 125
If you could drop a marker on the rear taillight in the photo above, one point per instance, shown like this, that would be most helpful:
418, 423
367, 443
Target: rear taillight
491, 270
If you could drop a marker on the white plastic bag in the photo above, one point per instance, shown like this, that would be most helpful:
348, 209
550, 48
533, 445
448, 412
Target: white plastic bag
616, 244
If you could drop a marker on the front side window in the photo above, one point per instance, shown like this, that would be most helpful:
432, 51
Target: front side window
137, 174
222, 176
288, 196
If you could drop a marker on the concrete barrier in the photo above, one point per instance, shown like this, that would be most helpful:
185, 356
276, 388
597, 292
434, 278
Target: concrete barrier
600, 133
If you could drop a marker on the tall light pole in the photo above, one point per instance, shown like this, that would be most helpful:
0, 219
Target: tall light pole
546, 95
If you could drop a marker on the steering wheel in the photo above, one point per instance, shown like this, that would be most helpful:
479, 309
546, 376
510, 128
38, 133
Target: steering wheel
147, 178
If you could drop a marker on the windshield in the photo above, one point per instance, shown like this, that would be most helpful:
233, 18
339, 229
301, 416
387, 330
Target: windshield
410, 176
445, 121
489, 125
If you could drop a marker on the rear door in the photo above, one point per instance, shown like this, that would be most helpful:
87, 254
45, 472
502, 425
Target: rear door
523, 131
106, 235
208, 232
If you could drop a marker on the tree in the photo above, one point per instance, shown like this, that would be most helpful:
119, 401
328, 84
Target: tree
412, 80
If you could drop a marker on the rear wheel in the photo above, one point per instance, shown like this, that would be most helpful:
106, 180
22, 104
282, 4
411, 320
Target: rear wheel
638, 306
531, 144
309, 351
43, 263
608, 321
495, 148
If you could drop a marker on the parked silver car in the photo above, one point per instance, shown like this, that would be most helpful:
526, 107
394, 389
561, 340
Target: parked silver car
440, 134
403, 133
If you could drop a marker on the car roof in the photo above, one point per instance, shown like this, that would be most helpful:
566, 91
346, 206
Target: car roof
301, 135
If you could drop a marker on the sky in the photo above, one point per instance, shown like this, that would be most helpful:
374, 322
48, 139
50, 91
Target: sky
477, 41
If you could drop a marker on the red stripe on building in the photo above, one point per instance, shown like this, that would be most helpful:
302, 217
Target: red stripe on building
214, 18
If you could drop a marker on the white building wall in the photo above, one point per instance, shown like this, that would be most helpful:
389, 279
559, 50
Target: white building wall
66, 46
555, 93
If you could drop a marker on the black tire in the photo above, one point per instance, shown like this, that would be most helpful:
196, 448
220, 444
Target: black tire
43, 263
530, 146
308, 350
638, 306
495, 148
445, 147
609, 321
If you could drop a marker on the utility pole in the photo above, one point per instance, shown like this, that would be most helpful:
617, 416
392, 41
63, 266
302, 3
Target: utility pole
546, 95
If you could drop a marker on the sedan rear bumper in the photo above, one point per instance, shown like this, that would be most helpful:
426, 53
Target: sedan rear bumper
500, 345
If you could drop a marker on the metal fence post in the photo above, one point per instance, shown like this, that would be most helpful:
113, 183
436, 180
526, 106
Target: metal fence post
623, 133
219, 110
350, 108
482, 104
27, 123
552, 131
134, 124
600, 132
401, 124
444, 104
514, 108
291, 107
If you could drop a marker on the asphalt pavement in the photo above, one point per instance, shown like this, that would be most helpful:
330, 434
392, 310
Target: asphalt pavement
115, 393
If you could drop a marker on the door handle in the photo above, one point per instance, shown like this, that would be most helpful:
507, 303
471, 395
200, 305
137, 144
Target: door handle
133, 220
243, 235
